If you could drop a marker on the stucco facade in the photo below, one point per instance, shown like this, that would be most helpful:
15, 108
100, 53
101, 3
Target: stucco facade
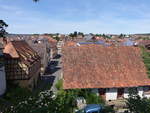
114, 94
111, 94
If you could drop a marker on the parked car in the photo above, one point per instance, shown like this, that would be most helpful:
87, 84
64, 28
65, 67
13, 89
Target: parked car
91, 108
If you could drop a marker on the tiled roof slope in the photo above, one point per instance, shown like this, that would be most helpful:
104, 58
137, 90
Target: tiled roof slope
20, 49
95, 66
52, 41
144, 42
10, 51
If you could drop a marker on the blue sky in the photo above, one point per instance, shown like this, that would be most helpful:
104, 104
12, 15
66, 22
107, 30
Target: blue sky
88, 16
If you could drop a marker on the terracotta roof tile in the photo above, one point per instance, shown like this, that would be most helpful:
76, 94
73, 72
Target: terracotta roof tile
95, 66
144, 42
20, 49
9, 49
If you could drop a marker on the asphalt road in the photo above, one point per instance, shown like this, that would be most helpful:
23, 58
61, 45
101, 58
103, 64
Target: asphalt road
51, 76
53, 72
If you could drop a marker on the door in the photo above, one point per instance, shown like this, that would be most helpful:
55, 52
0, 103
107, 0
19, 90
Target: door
120, 92
102, 93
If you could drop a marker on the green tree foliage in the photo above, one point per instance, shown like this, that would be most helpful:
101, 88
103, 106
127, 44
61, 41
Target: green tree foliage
59, 84
56, 38
47, 102
146, 59
105, 36
3, 26
136, 104
80, 33
13, 96
121, 35
91, 98
43, 103
75, 34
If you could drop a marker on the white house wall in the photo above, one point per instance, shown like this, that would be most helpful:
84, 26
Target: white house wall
2, 81
147, 95
111, 94
126, 93
140, 91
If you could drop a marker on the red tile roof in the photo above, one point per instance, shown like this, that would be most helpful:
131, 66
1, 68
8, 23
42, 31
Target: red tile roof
70, 43
20, 49
144, 42
95, 66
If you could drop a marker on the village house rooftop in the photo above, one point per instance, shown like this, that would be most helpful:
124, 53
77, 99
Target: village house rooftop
96, 66
21, 52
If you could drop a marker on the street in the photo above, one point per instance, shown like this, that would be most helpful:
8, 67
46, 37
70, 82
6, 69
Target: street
52, 74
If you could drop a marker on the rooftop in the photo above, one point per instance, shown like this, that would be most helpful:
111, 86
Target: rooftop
20, 49
96, 66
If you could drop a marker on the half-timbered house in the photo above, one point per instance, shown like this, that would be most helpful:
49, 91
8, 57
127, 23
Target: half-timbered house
22, 64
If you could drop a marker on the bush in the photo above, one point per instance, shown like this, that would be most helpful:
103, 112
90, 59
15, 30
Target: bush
146, 59
91, 98
59, 84
136, 104
108, 109
13, 96
94, 99
47, 102
16, 93
43, 103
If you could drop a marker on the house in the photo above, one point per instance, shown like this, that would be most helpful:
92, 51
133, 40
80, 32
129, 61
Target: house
88, 37
108, 71
144, 43
22, 64
53, 46
42, 47
2, 72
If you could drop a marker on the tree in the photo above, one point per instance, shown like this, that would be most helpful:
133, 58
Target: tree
80, 33
121, 35
3, 26
136, 104
146, 59
75, 34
